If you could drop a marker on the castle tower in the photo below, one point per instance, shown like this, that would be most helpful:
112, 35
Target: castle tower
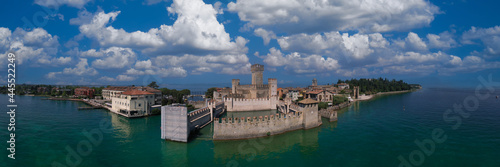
235, 83
257, 76
315, 82
273, 87
311, 117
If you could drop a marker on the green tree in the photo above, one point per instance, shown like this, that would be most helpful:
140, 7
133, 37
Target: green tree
322, 105
154, 85
210, 93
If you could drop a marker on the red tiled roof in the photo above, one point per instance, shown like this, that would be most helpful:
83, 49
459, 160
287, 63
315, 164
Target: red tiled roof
315, 92
136, 92
308, 101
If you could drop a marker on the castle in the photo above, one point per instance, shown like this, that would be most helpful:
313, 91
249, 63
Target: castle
256, 96
257, 89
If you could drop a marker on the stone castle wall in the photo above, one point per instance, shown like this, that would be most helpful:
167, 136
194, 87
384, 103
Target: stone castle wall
242, 128
242, 104
331, 113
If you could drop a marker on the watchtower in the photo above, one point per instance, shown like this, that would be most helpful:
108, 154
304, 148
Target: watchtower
315, 82
257, 76
235, 83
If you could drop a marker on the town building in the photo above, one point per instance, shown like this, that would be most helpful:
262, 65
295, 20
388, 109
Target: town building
84, 92
343, 86
133, 103
293, 94
320, 95
115, 91
42, 90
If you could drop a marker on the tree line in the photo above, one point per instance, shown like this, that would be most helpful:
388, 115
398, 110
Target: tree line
373, 86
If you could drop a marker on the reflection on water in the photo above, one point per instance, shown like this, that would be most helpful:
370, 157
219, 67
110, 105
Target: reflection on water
242, 152
121, 126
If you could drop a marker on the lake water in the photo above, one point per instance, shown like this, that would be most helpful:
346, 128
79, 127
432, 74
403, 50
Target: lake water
369, 133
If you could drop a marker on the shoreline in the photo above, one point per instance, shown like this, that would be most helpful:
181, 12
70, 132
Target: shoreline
369, 97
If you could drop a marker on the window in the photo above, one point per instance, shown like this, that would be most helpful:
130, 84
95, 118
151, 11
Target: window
139, 104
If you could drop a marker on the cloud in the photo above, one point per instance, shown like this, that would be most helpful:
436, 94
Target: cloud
37, 46
172, 72
266, 35
299, 64
57, 3
195, 31
442, 41
226, 64
297, 16
490, 37
81, 69
415, 43
113, 57
371, 54
118, 78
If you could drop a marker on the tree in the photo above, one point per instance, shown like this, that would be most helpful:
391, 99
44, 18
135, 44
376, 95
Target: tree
154, 85
210, 93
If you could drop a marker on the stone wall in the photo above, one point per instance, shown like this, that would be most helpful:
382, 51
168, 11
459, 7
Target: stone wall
177, 123
174, 123
242, 128
242, 104
331, 113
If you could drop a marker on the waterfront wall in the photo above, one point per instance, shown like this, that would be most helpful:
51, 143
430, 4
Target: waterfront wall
331, 113
242, 104
177, 123
174, 123
241, 128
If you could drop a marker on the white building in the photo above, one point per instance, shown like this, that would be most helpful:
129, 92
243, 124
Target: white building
115, 91
293, 94
133, 103
343, 86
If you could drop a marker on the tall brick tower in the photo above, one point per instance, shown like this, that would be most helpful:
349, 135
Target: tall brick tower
257, 76
315, 82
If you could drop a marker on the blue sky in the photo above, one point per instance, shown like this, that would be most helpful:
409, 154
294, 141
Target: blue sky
188, 43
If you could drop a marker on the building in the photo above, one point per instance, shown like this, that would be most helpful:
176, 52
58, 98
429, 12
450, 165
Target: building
133, 103
84, 92
315, 82
252, 91
320, 95
343, 86
115, 91
42, 90
256, 96
293, 94
257, 89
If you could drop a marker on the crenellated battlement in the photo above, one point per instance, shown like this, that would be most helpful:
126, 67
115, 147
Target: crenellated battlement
261, 119
228, 99
250, 127
257, 68
198, 112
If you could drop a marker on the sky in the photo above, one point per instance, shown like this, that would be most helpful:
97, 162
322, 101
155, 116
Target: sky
195, 43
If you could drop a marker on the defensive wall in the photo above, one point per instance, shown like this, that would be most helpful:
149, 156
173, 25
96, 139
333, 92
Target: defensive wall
331, 112
305, 116
242, 128
242, 104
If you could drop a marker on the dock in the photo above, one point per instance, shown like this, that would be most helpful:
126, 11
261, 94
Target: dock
89, 108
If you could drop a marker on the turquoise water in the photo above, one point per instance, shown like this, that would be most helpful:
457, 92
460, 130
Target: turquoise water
370, 133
